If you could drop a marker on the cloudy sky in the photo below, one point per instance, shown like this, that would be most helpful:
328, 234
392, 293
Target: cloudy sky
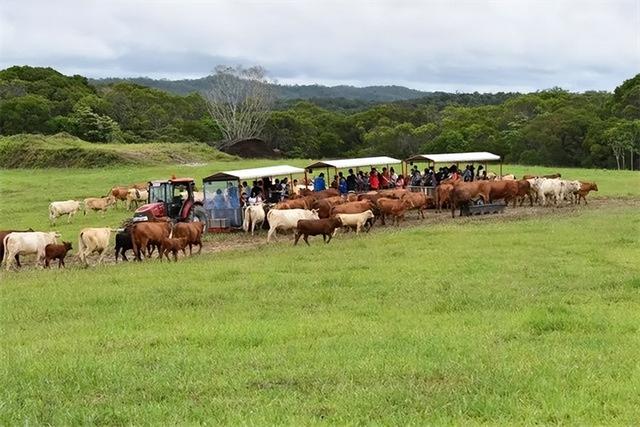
445, 45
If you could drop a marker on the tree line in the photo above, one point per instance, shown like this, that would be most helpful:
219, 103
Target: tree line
551, 127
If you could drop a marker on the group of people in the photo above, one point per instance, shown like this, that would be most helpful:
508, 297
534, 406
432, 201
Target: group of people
362, 181
265, 190
431, 178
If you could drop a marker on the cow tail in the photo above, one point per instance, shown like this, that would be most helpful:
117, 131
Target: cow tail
247, 220
81, 247
5, 257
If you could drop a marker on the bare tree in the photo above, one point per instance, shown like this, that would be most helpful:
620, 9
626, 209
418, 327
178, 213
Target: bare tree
240, 100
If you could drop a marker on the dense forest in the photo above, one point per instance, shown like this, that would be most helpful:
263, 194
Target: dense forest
550, 127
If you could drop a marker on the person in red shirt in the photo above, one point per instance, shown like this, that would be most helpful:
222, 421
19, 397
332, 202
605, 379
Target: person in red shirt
374, 182
385, 178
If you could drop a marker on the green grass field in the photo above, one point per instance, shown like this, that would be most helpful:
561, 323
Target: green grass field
469, 322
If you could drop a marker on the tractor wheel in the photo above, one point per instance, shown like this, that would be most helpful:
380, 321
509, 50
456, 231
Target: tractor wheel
198, 214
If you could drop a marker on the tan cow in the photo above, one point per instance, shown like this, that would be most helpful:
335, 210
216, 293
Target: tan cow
98, 203
92, 240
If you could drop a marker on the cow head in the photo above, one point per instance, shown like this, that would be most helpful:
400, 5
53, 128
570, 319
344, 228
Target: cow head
314, 214
67, 246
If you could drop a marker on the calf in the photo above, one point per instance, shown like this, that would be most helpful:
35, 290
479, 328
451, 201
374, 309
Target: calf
123, 244
54, 251
172, 245
356, 220
192, 233
135, 195
585, 188
314, 227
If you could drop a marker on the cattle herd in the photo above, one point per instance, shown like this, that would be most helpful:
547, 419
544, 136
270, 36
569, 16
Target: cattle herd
307, 213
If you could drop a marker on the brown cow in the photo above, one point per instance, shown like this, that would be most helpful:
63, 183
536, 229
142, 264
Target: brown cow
314, 227
324, 205
144, 234
355, 207
172, 245
465, 192
418, 200
54, 251
299, 203
505, 190
524, 190
370, 195
394, 208
192, 232
393, 193
120, 193
443, 195
3, 234
585, 188
331, 192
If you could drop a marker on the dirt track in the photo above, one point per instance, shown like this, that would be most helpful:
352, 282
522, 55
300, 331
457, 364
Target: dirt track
214, 243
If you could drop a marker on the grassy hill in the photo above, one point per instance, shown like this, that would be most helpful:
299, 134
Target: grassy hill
65, 151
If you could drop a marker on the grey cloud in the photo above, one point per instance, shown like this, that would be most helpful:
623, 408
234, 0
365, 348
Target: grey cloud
432, 45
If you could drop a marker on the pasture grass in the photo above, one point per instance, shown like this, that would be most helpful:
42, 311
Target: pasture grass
523, 322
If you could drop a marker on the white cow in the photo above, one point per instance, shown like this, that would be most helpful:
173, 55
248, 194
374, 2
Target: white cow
135, 195
553, 188
571, 189
31, 242
287, 219
253, 215
198, 196
58, 209
356, 221
93, 240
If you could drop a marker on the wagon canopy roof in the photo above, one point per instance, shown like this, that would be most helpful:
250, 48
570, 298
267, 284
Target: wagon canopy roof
254, 173
354, 163
478, 156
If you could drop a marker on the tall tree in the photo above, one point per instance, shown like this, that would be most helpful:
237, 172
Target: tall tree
240, 100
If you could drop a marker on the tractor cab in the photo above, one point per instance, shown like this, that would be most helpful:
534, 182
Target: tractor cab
172, 198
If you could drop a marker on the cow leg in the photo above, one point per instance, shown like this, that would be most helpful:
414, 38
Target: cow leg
297, 237
175, 255
324, 237
102, 254
306, 239
271, 232
190, 250
17, 258
61, 262
330, 236
46, 262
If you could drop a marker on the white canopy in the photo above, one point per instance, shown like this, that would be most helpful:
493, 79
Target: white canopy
355, 163
480, 156
254, 173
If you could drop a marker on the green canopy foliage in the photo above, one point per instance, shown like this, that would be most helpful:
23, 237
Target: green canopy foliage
551, 127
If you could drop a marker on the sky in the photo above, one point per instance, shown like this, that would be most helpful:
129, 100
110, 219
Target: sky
471, 45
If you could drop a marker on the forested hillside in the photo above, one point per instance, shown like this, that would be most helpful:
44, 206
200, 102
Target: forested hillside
552, 127
365, 94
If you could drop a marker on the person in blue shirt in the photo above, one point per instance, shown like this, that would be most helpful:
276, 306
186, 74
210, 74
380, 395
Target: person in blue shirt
318, 183
342, 184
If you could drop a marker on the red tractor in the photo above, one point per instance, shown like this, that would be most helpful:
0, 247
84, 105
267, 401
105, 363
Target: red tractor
174, 199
